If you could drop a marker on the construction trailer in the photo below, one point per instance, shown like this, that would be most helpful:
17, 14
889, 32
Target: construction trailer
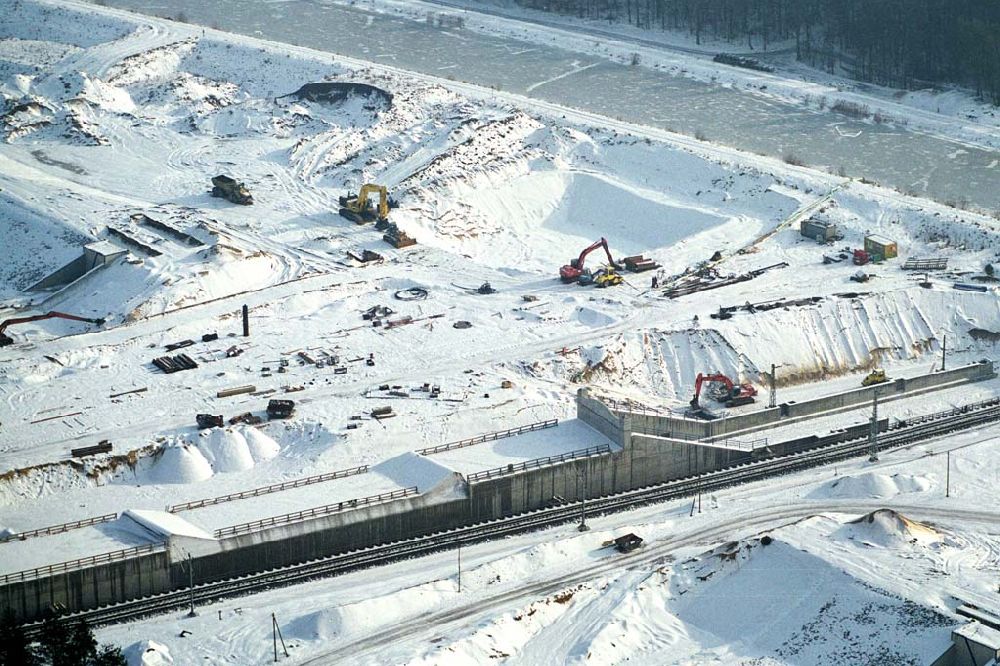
821, 232
880, 248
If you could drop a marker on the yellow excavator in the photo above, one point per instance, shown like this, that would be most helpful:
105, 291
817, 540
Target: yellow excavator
358, 208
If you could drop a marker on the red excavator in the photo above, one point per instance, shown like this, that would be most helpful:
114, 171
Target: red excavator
7, 340
733, 396
574, 270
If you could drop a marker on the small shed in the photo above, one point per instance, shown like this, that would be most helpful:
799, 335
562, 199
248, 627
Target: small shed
628, 542
880, 247
819, 231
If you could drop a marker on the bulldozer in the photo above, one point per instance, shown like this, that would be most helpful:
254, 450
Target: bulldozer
607, 277
358, 207
7, 340
876, 376
231, 190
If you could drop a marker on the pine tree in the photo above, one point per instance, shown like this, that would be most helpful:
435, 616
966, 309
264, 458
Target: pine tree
14, 647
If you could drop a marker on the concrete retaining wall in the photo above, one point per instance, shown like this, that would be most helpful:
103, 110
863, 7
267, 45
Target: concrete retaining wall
697, 429
321, 537
90, 587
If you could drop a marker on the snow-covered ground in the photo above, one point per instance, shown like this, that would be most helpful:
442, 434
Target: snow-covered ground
109, 114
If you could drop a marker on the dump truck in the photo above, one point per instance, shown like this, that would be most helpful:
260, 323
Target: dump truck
231, 190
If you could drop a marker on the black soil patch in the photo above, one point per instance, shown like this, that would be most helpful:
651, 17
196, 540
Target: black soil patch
333, 92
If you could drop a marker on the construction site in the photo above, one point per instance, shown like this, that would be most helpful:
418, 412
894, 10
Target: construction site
270, 324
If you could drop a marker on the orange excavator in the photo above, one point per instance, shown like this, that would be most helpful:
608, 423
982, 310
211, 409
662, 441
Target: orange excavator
574, 270
7, 340
734, 394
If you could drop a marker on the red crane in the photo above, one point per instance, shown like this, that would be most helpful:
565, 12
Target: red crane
735, 394
574, 269
7, 340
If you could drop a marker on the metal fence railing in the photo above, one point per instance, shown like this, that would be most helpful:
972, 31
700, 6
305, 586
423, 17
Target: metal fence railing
82, 563
264, 490
489, 437
60, 528
537, 462
315, 512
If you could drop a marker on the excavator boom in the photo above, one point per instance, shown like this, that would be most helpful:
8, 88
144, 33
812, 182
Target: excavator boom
7, 340
573, 270
357, 209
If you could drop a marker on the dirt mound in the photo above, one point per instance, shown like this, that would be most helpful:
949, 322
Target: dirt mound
887, 528
336, 92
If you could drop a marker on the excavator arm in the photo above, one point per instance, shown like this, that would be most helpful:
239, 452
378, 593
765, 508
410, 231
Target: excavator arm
575, 268
7, 340
701, 379
383, 199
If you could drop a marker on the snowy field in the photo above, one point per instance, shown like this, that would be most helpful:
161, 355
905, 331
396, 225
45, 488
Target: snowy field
108, 115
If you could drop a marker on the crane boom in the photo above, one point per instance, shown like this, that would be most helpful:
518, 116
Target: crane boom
7, 340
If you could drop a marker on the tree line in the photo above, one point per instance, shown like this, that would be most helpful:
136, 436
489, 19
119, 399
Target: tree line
59, 643
899, 43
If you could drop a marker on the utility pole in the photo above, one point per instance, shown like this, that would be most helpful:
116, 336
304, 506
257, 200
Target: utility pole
944, 347
191, 613
947, 476
459, 567
873, 437
583, 505
276, 636
773, 402
246, 322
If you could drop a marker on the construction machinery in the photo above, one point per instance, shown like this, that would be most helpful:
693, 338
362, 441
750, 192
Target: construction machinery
730, 393
607, 277
397, 238
206, 421
7, 340
860, 257
876, 376
280, 409
575, 270
231, 190
358, 207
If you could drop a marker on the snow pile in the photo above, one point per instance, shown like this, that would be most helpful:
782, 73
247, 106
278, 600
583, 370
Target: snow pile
888, 529
765, 596
261, 446
871, 484
148, 653
370, 614
180, 463
411, 469
226, 450
161, 524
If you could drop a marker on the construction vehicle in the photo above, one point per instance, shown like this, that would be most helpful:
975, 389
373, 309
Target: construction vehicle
209, 421
397, 238
7, 340
876, 376
575, 270
231, 190
358, 207
732, 394
607, 277
280, 409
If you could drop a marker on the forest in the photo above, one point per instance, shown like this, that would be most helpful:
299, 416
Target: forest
899, 43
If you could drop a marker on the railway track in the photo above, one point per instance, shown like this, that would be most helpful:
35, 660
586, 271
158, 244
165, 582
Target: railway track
901, 434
